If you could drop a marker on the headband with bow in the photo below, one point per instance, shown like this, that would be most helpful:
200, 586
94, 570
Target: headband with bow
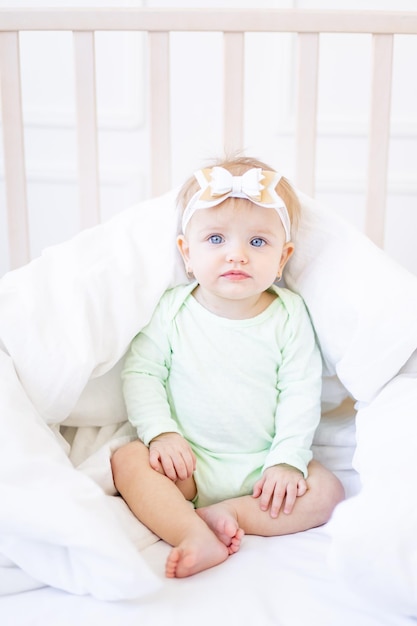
257, 185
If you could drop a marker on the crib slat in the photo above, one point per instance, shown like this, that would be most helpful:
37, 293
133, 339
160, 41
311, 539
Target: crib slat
160, 113
306, 124
379, 137
88, 177
14, 156
233, 92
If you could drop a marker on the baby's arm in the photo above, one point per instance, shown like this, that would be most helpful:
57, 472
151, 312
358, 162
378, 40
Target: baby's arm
299, 391
279, 485
171, 454
145, 374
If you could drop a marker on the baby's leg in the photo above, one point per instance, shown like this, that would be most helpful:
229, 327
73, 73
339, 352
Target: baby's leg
312, 509
159, 504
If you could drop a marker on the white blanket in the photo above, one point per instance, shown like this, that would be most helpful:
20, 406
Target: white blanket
66, 320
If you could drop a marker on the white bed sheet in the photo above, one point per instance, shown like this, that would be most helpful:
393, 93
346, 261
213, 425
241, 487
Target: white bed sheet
279, 581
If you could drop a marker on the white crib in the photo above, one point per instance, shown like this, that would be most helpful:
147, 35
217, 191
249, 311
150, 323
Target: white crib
56, 564
308, 26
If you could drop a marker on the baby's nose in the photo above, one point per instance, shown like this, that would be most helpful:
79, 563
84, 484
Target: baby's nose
237, 254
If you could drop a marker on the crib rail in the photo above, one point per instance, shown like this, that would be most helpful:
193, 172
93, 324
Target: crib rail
307, 25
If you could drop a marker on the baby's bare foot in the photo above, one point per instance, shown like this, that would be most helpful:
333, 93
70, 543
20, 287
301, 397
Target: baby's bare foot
195, 554
224, 524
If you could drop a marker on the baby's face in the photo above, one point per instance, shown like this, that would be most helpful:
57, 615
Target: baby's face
236, 249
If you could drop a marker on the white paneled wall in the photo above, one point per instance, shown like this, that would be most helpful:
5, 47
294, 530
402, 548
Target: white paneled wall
196, 108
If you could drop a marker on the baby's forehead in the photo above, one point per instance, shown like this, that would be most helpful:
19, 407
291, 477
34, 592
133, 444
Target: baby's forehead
232, 206
238, 212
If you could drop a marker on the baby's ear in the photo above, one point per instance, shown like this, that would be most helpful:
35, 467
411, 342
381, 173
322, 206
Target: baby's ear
287, 251
183, 247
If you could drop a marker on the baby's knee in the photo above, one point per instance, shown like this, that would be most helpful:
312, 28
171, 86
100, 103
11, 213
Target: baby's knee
335, 492
329, 492
332, 495
123, 461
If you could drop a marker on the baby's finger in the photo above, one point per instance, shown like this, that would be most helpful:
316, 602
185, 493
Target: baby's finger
290, 498
257, 489
181, 468
168, 467
266, 496
154, 461
301, 487
190, 463
277, 500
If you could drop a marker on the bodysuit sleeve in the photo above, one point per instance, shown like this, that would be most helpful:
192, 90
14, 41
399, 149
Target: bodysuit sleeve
144, 378
299, 383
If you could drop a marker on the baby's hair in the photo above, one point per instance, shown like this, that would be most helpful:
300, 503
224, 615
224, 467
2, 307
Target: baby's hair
238, 166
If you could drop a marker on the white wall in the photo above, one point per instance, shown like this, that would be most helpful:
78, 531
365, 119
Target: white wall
49, 114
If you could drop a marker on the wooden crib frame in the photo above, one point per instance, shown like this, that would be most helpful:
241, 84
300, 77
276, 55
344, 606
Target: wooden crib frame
307, 25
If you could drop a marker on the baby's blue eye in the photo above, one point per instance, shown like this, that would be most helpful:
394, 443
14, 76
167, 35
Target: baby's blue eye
216, 239
257, 242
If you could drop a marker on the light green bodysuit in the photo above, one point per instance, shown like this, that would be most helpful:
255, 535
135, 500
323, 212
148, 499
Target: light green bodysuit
244, 393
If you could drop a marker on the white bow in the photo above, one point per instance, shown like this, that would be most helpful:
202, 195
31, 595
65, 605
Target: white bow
246, 186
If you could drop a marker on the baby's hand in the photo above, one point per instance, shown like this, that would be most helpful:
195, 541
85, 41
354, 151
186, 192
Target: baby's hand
279, 484
171, 454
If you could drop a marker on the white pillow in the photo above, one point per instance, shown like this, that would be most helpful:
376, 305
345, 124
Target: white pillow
70, 315
363, 304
